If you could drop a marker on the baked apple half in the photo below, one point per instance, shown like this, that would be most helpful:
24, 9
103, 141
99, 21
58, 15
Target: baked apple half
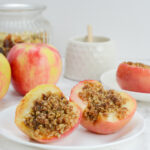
45, 115
103, 111
134, 77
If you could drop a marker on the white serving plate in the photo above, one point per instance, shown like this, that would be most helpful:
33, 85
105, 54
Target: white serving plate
108, 80
80, 139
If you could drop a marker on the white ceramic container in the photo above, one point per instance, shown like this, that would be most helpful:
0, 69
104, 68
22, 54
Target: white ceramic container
89, 60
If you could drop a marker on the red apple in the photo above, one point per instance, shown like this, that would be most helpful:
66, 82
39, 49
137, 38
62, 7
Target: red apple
34, 64
103, 111
134, 77
5, 75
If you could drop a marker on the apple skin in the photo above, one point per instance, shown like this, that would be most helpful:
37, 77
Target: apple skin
34, 64
5, 75
24, 108
133, 78
102, 125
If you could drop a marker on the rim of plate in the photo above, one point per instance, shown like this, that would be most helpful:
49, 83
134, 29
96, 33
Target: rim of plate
37, 145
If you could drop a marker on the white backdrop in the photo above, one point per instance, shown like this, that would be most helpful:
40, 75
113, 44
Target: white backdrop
125, 21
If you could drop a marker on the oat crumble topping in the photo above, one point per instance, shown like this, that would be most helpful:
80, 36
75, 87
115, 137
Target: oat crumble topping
138, 65
101, 102
7, 40
51, 115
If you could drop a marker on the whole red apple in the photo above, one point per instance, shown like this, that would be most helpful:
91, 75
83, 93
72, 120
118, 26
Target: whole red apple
5, 75
34, 64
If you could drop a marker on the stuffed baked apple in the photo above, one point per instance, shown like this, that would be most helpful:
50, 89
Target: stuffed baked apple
103, 111
45, 115
134, 77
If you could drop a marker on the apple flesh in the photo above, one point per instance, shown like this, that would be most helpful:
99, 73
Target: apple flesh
105, 122
34, 64
134, 77
45, 115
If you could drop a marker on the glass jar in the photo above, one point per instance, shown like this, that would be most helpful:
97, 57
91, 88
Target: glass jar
22, 23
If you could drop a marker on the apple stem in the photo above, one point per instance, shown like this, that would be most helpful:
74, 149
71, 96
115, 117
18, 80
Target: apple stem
90, 34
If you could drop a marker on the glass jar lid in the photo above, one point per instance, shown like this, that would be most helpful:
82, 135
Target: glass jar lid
16, 7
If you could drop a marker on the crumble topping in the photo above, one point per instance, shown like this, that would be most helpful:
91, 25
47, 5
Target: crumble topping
102, 102
138, 65
51, 115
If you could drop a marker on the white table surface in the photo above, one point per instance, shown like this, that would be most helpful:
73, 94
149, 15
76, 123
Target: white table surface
140, 143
